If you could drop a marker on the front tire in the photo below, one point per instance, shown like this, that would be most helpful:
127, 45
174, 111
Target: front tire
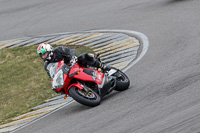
90, 99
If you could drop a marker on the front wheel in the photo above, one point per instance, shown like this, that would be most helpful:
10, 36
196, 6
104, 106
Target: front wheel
90, 98
122, 81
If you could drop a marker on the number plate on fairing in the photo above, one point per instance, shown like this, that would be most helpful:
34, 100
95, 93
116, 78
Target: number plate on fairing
111, 72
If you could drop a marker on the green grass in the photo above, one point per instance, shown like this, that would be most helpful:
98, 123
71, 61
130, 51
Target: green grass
23, 81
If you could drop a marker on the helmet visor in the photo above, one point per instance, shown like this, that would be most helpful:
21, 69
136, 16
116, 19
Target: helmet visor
44, 56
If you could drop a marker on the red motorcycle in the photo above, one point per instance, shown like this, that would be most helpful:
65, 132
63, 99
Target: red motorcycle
86, 86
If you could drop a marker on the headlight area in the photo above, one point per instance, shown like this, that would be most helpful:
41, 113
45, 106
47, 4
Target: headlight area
58, 80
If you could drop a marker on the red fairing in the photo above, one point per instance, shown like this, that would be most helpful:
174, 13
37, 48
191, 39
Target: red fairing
96, 76
77, 85
99, 78
74, 69
80, 73
67, 81
59, 89
60, 65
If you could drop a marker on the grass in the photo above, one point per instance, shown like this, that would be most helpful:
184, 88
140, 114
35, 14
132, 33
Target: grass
24, 83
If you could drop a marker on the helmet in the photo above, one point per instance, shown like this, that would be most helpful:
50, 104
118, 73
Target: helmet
45, 51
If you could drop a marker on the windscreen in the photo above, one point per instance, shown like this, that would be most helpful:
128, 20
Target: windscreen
52, 68
58, 77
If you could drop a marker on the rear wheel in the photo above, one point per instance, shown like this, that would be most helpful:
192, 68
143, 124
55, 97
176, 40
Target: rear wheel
122, 80
90, 98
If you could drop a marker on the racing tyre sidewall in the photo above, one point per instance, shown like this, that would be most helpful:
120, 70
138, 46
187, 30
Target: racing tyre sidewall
73, 91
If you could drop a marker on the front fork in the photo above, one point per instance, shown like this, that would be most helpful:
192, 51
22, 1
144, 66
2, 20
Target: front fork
80, 86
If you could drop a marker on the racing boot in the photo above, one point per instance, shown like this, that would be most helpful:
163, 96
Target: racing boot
105, 67
91, 61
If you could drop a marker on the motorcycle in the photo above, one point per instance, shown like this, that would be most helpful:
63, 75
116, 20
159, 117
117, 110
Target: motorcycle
85, 85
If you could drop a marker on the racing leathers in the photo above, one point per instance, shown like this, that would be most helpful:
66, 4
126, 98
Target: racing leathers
60, 53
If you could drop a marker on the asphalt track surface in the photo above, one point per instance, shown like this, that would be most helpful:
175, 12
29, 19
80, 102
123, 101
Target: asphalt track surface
164, 96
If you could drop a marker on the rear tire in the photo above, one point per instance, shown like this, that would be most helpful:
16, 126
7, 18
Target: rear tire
122, 80
92, 99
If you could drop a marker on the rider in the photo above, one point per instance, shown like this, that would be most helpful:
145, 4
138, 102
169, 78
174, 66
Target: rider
49, 55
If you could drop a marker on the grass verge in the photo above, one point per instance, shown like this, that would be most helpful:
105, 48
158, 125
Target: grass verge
24, 83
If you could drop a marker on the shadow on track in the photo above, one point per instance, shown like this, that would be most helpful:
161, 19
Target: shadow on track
77, 107
177, 1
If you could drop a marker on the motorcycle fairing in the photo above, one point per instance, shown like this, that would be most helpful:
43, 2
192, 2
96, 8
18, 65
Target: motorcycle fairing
86, 74
60, 65
109, 83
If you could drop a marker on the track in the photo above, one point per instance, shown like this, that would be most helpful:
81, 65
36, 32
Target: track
164, 92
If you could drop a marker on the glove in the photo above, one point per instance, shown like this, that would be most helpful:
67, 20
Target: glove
73, 60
